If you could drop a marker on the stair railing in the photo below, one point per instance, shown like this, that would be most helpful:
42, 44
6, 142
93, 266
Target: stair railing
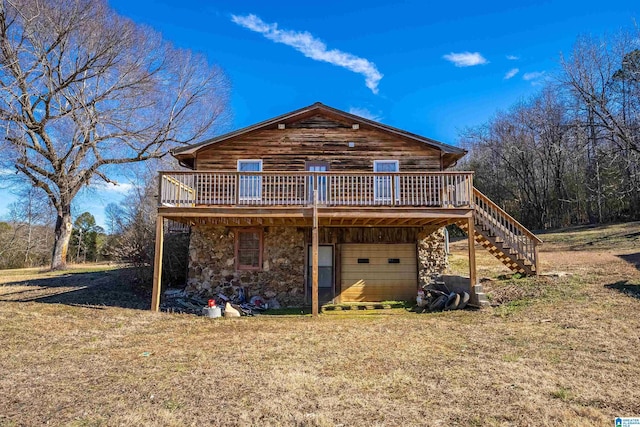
498, 223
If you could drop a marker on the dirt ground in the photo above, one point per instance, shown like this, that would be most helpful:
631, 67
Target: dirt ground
79, 348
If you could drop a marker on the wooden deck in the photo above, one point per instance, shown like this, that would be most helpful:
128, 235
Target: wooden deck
344, 199
335, 189
340, 199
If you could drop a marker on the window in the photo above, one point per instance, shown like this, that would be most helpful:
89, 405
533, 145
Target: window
382, 190
248, 249
250, 186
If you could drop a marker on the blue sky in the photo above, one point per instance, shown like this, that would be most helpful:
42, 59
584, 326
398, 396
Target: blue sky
426, 67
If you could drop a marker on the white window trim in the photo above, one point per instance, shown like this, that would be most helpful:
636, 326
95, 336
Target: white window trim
384, 198
247, 161
377, 162
257, 180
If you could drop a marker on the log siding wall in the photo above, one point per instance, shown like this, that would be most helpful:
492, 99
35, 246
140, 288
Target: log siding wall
320, 139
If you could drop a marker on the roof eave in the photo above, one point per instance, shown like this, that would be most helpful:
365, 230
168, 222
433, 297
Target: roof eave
189, 151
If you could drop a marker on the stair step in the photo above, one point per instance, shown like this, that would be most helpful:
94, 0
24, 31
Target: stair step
482, 298
505, 251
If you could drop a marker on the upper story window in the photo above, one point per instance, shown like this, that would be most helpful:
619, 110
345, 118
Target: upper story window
384, 185
386, 166
249, 249
250, 186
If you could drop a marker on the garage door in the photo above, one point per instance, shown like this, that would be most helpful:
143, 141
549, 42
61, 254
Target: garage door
378, 272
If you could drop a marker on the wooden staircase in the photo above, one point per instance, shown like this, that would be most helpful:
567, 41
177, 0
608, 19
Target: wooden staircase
503, 236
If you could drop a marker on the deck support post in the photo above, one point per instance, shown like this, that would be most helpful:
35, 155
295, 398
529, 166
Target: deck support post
472, 255
157, 264
314, 254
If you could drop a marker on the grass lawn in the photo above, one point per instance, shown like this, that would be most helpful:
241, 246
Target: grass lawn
80, 348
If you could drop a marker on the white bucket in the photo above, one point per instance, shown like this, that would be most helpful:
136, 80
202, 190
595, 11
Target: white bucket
212, 312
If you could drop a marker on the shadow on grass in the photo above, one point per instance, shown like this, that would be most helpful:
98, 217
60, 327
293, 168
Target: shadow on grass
111, 288
623, 286
633, 259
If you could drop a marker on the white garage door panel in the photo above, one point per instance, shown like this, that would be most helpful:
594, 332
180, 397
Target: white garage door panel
407, 279
358, 253
378, 280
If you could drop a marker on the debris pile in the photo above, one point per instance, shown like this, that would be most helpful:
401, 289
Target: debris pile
180, 301
437, 297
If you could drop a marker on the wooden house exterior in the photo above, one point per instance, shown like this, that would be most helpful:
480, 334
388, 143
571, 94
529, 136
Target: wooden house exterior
321, 205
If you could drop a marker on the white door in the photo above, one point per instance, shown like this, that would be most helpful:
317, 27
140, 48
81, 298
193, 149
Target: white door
322, 180
325, 272
250, 186
382, 186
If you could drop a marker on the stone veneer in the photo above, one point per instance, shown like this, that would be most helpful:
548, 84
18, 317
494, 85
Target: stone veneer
212, 265
432, 255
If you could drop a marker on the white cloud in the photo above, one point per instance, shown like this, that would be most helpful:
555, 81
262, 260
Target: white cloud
466, 59
534, 75
122, 188
363, 112
313, 48
512, 57
512, 72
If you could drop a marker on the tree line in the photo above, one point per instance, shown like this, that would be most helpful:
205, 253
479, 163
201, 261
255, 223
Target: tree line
27, 233
571, 153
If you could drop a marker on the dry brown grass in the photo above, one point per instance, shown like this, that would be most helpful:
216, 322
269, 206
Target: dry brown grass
564, 351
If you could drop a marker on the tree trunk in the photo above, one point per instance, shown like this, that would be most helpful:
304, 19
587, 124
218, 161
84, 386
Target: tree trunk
61, 240
79, 244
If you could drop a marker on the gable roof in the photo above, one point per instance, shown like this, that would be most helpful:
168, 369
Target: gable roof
184, 154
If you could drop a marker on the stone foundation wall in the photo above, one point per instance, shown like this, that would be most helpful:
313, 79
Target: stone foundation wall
212, 265
432, 255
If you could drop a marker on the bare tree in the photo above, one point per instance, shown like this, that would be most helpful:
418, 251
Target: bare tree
83, 89
9, 244
604, 74
134, 242
34, 214
25, 237
115, 217
571, 153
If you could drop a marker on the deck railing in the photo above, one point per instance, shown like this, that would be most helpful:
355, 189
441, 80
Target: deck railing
408, 189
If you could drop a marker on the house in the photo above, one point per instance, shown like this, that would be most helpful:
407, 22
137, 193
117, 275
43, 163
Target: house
321, 205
